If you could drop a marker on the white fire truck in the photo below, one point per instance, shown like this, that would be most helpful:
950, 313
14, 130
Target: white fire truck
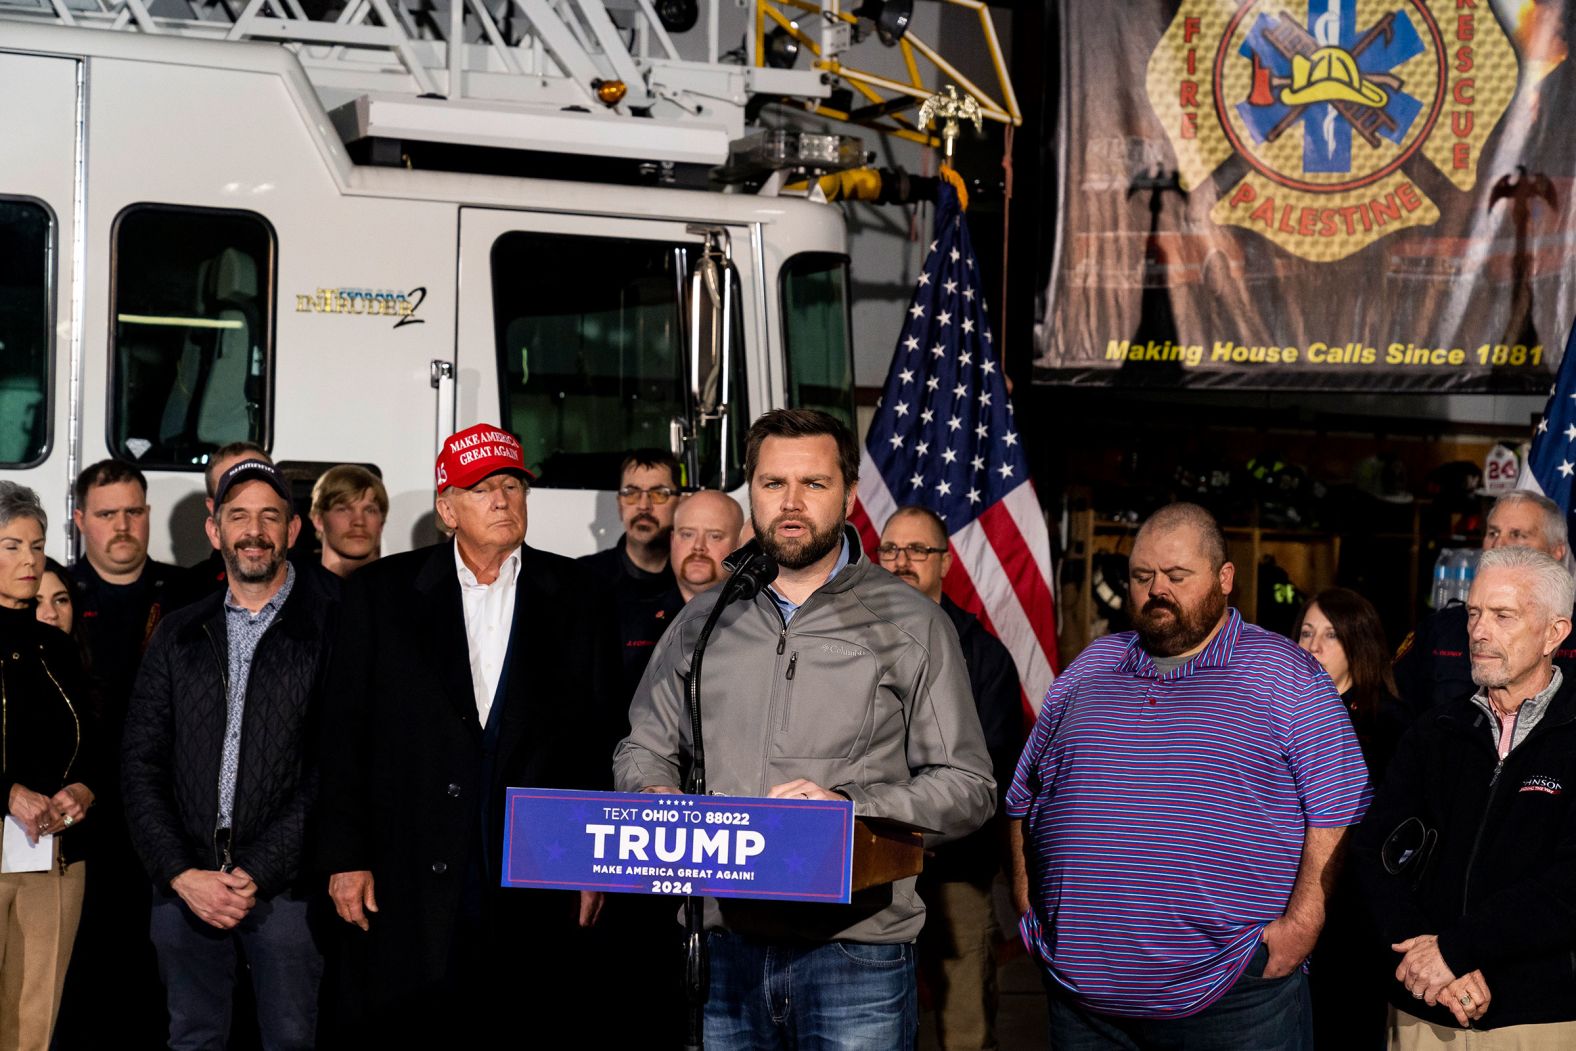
328, 247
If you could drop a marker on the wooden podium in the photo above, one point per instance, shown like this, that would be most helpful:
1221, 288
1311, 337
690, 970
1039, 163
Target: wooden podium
885, 851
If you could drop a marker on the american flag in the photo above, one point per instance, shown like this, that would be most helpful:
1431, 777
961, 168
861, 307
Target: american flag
944, 437
1552, 462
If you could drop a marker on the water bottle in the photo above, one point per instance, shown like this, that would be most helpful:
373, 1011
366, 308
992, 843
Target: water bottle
1439, 597
1463, 567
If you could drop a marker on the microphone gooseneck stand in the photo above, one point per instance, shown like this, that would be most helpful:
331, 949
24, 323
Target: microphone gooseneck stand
753, 572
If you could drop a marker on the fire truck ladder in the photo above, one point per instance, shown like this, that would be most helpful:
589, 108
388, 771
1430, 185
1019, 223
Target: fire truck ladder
661, 81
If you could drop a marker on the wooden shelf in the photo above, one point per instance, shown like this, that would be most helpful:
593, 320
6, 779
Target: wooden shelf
1311, 558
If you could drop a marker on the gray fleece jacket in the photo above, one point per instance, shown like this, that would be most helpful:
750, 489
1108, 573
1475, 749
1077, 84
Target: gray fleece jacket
877, 706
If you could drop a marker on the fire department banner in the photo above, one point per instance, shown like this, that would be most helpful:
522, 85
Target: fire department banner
1319, 194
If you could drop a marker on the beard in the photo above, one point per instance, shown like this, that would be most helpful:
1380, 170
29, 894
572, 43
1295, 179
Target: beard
798, 552
248, 570
1495, 674
1168, 636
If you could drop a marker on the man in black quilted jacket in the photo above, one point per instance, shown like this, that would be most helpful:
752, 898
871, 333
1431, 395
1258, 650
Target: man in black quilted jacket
219, 773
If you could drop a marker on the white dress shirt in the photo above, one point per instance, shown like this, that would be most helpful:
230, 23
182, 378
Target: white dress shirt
489, 616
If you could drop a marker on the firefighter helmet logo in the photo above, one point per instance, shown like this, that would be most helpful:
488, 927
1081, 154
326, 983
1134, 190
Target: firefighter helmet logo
1332, 105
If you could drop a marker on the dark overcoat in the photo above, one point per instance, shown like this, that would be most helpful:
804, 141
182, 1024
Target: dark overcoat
403, 790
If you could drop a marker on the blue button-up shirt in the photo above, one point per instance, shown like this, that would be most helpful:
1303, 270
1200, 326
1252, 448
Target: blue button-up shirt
788, 609
243, 631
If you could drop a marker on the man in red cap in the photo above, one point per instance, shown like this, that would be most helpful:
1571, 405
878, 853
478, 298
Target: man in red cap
462, 669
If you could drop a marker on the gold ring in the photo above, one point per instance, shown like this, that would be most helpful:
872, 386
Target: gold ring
67, 820
1466, 1001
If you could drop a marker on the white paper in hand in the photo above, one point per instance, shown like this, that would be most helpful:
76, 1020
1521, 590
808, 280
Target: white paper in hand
18, 855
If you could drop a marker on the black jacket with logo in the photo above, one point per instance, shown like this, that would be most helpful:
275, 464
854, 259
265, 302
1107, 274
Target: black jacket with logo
1499, 886
119, 620
645, 602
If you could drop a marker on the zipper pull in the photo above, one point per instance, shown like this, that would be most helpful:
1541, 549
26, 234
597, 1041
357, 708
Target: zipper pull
782, 641
791, 662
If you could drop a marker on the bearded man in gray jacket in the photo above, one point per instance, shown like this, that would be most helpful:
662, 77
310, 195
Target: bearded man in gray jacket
837, 682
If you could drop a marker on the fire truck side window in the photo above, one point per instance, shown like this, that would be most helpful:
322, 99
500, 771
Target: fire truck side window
592, 353
193, 333
816, 331
27, 238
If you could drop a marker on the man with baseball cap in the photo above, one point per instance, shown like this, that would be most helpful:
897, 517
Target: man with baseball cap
463, 669
219, 771
209, 574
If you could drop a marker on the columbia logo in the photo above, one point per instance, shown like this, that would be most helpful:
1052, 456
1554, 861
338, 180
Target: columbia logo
1546, 785
846, 651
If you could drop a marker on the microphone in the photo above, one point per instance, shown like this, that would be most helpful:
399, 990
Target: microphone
752, 573
753, 569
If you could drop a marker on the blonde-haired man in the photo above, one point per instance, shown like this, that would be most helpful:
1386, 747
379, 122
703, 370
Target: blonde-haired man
349, 507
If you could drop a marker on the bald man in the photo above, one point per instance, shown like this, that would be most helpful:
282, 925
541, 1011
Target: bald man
1181, 804
705, 531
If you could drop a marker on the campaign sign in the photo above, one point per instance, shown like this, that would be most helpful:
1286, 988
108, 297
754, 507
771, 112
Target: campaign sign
715, 846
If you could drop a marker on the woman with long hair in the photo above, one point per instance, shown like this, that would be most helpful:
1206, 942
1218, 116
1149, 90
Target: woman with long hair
59, 599
1341, 630
1346, 978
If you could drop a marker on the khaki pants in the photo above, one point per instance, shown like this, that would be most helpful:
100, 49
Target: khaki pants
1408, 1033
958, 957
39, 912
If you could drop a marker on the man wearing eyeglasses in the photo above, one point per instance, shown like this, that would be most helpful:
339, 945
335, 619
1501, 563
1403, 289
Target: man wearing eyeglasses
637, 569
462, 669
957, 952
1468, 857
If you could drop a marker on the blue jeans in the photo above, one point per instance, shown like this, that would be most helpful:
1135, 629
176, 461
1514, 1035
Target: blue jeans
197, 964
841, 996
1255, 1014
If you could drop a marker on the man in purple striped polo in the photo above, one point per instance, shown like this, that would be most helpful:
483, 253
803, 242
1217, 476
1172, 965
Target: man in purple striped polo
1180, 812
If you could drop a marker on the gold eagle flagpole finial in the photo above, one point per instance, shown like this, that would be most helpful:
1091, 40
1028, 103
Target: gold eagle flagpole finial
950, 109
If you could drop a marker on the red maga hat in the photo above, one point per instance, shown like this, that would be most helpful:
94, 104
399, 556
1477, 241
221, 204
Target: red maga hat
476, 452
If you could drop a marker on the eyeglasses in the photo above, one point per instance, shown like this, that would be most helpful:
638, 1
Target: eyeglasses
915, 552
659, 494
